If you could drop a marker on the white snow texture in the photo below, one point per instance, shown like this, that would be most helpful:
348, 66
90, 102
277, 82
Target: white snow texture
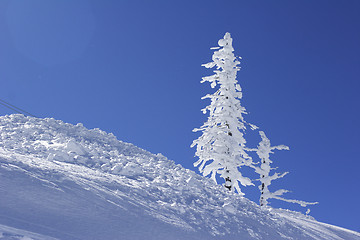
63, 181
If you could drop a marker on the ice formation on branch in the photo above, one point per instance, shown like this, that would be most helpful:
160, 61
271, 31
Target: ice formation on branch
263, 151
220, 148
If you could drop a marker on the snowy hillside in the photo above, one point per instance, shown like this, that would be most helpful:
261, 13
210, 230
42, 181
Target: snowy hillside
60, 181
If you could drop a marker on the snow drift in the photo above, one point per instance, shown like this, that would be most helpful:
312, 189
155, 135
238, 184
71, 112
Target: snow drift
60, 181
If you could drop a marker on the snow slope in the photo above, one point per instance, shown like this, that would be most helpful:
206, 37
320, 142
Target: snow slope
60, 181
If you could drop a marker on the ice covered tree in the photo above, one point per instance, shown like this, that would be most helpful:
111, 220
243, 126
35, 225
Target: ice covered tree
263, 151
220, 148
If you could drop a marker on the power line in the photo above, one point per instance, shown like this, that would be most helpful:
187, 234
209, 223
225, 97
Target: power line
14, 108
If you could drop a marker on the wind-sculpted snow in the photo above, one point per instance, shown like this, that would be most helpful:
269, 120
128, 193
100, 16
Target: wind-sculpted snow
18, 234
68, 182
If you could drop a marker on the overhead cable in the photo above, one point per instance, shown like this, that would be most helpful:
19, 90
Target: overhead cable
14, 108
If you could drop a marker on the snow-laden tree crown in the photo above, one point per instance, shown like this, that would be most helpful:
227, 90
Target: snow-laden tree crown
263, 151
220, 148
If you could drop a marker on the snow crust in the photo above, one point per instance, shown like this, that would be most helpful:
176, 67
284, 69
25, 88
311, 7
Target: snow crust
63, 181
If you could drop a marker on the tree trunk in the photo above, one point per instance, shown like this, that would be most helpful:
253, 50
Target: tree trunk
262, 188
228, 181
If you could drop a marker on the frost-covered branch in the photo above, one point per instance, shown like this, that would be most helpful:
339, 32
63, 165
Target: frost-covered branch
301, 203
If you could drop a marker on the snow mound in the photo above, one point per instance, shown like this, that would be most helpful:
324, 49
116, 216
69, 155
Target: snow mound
67, 182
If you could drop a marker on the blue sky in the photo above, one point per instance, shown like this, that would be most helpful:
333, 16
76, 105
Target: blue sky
133, 68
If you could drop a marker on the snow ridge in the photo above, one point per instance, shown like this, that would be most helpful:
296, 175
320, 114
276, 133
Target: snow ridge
67, 182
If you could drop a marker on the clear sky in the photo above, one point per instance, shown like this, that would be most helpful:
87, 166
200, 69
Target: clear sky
133, 68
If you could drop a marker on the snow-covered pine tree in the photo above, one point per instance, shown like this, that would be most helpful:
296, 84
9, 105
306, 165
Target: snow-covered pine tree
263, 151
220, 148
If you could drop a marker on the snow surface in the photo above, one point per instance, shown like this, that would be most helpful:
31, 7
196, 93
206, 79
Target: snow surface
60, 181
18, 234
